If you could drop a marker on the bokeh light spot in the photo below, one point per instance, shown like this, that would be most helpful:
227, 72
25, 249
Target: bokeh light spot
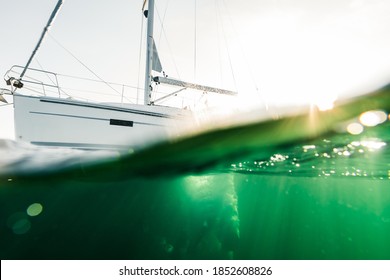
34, 209
372, 118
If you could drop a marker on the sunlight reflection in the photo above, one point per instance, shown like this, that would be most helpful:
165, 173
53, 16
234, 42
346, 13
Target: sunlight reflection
278, 158
355, 128
325, 104
373, 145
373, 118
217, 196
308, 147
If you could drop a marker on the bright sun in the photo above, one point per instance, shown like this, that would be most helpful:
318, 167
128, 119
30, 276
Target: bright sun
297, 59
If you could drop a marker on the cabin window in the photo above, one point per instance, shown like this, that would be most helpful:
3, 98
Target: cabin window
121, 122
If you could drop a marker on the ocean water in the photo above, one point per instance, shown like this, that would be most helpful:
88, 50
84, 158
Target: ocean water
309, 186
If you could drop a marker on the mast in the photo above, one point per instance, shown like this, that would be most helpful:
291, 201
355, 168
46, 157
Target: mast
149, 53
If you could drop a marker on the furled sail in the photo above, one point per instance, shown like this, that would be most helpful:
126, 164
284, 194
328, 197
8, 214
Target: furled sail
156, 64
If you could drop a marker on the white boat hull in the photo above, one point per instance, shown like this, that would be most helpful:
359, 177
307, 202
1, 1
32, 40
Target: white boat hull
51, 121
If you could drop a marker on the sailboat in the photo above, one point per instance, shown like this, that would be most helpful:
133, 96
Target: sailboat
66, 122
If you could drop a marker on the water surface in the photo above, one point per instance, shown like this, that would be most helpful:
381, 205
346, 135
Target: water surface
269, 190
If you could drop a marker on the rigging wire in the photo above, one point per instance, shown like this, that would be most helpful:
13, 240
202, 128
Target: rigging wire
229, 57
140, 53
83, 64
241, 46
195, 43
54, 83
38, 90
83, 90
98, 81
34, 90
218, 42
163, 20
30, 79
169, 46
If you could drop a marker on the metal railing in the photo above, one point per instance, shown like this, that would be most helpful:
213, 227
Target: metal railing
46, 83
30, 80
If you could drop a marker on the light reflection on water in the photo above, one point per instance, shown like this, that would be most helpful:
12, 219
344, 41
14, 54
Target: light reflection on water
352, 154
373, 118
328, 163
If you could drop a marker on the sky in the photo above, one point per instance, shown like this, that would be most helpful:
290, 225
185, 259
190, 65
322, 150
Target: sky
273, 52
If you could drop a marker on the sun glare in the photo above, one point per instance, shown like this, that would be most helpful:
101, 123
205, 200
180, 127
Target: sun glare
325, 104
298, 59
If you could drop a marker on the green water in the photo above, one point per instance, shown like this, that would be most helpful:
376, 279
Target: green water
316, 197
220, 215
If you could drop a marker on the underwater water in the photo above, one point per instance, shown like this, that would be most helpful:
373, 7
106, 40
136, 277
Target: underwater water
239, 193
